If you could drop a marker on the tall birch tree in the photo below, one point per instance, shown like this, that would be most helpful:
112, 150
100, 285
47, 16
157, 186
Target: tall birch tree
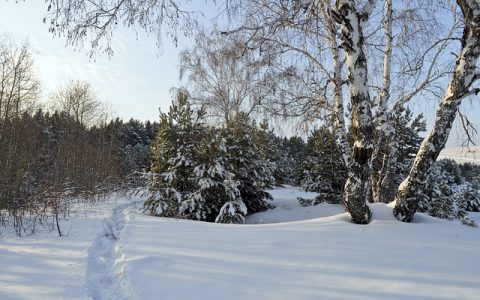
225, 78
307, 75
358, 186
422, 73
460, 86
19, 85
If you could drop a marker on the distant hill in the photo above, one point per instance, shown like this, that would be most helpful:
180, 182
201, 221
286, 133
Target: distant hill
462, 155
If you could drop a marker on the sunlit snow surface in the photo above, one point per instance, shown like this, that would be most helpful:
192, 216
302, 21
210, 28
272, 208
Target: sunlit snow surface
317, 254
462, 155
45, 266
288, 209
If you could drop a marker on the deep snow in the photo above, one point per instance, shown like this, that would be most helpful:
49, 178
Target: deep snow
324, 257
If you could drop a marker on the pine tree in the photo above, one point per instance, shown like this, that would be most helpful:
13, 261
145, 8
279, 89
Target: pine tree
388, 173
297, 151
271, 150
243, 160
174, 158
326, 172
285, 162
471, 197
471, 173
233, 210
442, 198
208, 176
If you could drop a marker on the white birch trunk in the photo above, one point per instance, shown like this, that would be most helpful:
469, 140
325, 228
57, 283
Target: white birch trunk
341, 128
358, 186
463, 77
384, 133
387, 186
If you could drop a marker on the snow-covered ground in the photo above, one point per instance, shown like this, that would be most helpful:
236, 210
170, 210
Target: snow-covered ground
462, 155
318, 254
46, 266
288, 209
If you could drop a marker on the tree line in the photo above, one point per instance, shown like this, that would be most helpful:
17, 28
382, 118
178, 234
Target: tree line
61, 152
49, 162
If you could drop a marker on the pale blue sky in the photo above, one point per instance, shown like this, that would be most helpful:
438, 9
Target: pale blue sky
136, 81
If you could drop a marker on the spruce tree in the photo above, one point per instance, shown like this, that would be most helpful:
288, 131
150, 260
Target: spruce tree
297, 151
205, 173
234, 209
471, 197
395, 161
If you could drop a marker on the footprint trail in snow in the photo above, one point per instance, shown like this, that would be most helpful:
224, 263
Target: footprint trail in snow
106, 278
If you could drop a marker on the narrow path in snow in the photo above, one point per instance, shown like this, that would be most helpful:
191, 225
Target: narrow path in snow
106, 278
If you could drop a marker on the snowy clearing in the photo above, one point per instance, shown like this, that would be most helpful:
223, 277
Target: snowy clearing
462, 155
325, 257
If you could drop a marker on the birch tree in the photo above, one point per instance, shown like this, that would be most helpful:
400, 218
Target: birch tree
418, 70
381, 119
19, 85
307, 75
460, 86
79, 101
224, 78
339, 111
307, 31
358, 186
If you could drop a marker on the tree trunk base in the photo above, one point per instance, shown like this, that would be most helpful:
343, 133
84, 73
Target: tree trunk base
362, 216
405, 210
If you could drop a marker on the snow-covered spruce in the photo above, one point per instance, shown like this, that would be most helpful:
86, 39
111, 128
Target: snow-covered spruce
209, 178
173, 158
243, 160
234, 210
394, 151
471, 197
